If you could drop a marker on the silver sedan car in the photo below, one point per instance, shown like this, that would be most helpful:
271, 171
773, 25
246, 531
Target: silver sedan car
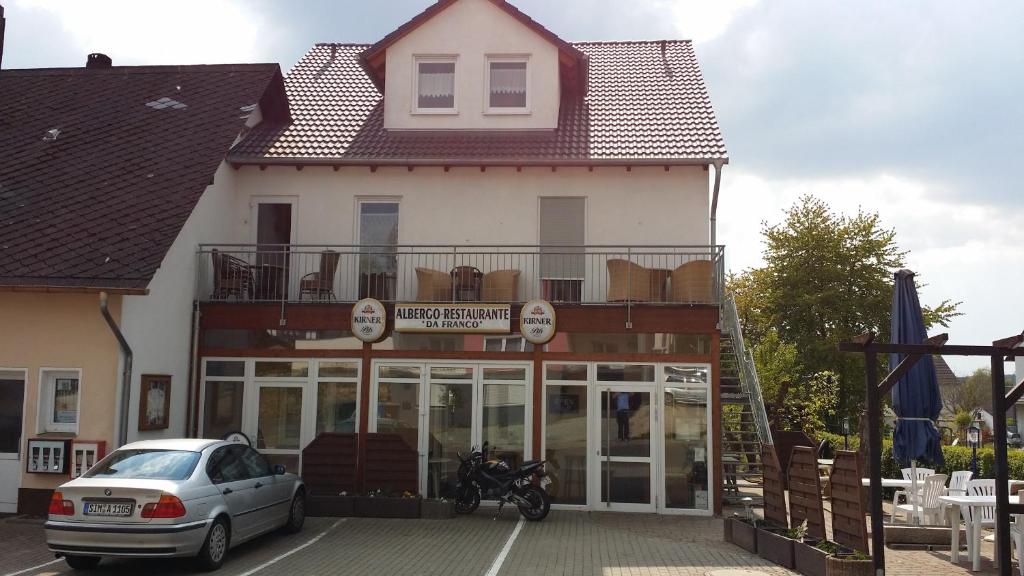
162, 498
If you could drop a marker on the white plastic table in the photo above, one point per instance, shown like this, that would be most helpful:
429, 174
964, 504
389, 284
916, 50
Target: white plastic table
890, 482
956, 502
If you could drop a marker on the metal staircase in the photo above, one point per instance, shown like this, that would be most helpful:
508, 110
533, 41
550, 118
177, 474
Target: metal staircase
744, 419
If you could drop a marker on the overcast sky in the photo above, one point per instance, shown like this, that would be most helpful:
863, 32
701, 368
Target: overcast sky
912, 109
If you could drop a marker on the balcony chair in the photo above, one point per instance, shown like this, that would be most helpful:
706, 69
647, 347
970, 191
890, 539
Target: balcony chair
433, 286
987, 514
231, 277
693, 282
466, 283
320, 284
957, 487
922, 473
628, 281
928, 503
501, 286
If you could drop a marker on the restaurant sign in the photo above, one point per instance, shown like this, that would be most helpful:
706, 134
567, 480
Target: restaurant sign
537, 321
464, 318
369, 318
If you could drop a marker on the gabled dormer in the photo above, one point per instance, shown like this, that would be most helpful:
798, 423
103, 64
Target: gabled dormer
474, 65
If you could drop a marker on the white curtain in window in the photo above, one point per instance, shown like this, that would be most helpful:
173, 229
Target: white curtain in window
437, 80
508, 77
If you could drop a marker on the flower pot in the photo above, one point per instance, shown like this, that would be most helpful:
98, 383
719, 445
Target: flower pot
385, 507
437, 509
847, 566
744, 535
329, 505
775, 547
809, 560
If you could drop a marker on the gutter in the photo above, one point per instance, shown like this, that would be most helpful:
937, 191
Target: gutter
238, 161
126, 372
714, 201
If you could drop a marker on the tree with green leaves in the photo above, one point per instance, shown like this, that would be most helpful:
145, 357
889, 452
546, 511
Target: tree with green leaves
827, 278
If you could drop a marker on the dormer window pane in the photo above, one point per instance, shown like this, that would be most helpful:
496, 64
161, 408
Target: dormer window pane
436, 85
508, 85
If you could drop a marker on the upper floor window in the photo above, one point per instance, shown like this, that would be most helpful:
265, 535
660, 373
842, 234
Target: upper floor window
435, 85
507, 85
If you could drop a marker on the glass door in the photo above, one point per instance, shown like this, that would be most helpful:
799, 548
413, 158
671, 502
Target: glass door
12, 400
624, 466
451, 425
279, 423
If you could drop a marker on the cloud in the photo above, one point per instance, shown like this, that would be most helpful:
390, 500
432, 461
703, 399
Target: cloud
131, 32
962, 250
702, 21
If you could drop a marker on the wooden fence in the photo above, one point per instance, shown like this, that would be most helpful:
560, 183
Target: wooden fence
805, 491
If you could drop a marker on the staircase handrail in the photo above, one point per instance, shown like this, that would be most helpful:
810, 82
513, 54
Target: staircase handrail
749, 380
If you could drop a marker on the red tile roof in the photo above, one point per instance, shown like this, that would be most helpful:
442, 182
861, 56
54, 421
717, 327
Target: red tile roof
646, 102
99, 204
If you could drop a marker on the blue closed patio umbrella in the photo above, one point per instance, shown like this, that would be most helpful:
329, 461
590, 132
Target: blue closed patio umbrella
915, 398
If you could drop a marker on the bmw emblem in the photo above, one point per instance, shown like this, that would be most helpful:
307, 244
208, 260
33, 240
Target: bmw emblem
107, 492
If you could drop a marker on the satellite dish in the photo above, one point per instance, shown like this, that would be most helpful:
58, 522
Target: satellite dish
238, 437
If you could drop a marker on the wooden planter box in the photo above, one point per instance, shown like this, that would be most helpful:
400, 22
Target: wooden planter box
437, 509
775, 547
842, 566
727, 530
743, 535
385, 507
810, 561
330, 505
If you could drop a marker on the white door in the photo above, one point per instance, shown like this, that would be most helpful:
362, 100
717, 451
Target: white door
12, 404
622, 474
278, 419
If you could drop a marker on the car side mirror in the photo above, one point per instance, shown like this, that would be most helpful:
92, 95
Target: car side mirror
279, 469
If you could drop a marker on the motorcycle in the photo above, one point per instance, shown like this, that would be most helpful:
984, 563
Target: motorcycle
480, 477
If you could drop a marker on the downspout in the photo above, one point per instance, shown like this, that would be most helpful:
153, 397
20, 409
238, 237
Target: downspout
126, 373
191, 418
714, 202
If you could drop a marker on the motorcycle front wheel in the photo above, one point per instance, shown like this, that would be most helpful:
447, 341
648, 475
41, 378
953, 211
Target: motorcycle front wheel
540, 503
467, 499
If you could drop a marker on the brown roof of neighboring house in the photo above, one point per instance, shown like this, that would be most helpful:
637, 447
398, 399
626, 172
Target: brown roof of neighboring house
100, 168
646, 102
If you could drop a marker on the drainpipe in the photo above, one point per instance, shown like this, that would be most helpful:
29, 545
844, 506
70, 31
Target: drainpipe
714, 202
126, 373
191, 419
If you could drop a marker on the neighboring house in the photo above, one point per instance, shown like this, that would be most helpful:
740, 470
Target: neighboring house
109, 176
473, 157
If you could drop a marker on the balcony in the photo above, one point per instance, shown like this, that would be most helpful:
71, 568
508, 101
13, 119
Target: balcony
593, 275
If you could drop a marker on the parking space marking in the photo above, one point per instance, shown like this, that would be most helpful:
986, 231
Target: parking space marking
33, 568
277, 559
496, 565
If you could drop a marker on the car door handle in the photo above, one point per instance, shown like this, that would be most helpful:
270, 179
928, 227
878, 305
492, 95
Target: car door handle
258, 485
228, 491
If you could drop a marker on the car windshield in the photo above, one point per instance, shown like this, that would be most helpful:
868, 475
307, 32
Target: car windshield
146, 464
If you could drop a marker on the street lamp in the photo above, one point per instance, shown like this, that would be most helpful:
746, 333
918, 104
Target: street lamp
974, 439
846, 433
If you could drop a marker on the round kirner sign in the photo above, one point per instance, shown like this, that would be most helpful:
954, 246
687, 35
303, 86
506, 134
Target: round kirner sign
537, 321
368, 320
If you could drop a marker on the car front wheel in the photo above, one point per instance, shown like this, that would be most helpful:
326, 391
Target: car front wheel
211, 556
82, 562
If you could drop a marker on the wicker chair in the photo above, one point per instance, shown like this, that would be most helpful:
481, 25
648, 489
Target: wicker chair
231, 277
628, 281
320, 284
694, 282
433, 286
466, 283
501, 286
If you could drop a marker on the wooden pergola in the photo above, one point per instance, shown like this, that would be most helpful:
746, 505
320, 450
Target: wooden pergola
999, 352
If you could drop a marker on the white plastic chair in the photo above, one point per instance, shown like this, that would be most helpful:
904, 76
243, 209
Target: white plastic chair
986, 515
957, 487
928, 504
922, 473
1017, 534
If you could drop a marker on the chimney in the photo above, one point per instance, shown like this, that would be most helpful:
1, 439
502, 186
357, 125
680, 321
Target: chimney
3, 23
98, 61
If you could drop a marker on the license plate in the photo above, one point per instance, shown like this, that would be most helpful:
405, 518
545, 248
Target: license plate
108, 509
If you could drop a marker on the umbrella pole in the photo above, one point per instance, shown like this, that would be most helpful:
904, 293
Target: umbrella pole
913, 491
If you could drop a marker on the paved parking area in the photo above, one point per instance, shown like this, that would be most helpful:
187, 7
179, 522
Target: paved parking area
566, 543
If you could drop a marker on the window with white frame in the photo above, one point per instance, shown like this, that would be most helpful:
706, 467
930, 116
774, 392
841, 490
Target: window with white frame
508, 84
60, 394
435, 84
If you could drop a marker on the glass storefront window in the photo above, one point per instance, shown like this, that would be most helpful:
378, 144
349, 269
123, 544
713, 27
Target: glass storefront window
451, 431
398, 407
686, 442
512, 374
565, 450
687, 375
338, 370
399, 371
567, 372
634, 343
280, 418
451, 373
336, 407
222, 411
225, 368
298, 369
504, 419
625, 373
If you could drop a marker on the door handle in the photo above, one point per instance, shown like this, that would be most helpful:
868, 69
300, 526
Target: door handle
258, 485
228, 491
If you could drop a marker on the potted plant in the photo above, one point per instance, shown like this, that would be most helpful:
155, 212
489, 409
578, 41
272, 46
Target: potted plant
810, 556
437, 509
379, 504
776, 544
334, 505
826, 558
850, 564
743, 533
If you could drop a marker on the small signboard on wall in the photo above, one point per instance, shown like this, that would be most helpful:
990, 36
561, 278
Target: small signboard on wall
448, 318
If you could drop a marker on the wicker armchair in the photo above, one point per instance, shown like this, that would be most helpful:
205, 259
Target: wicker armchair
694, 282
231, 277
320, 284
466, 283
628, 281
501, 286
433, 286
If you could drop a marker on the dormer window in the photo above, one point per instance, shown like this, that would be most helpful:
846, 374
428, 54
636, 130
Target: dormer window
435, 85
508, 85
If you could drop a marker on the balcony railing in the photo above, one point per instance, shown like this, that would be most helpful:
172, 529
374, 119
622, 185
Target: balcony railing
406, 273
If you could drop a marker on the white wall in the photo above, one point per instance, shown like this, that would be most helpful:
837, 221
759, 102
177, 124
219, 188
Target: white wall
158, 326
471, 29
